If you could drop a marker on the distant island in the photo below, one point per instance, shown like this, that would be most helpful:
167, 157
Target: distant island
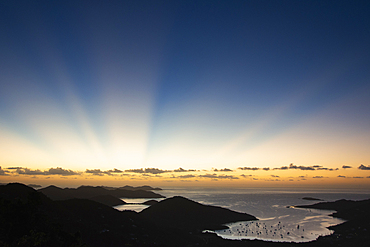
127, 187
107, 195
311, 199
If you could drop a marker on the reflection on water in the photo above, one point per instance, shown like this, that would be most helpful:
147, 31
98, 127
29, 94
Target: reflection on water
276, 221
286, 228
139, 200
135, 204
134, 207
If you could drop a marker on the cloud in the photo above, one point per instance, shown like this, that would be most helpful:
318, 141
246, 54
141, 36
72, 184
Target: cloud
115, 171
282, 168
266, 168
208, 176
147, 170
227, 177
358, 177
362, 167
275, 176
346, 167
95, 172
318, 177
306, 168
327, 169
3, 172
244, 176
303, 168
98, 172
26, 171
340, 176
187, 176
215, 176
61, 171
249, 168
223, 170
183, 170
52, 171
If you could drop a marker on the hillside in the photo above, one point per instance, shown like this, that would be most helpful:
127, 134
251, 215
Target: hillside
29, 218
353, 232
185, 214
87, 192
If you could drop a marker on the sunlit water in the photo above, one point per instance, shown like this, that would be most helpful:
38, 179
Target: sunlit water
135, 204
275, 221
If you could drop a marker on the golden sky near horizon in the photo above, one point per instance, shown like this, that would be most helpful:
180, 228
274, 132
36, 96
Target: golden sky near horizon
235, 93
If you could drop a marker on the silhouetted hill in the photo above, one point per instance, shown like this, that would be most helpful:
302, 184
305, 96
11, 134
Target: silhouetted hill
16, 191
101, 225
183, 213
145, 187
340, 205
86, 192
311, 199
108, 200
150, 202
27, 218
353, 232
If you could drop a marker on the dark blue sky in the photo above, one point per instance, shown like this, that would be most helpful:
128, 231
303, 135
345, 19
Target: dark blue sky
146, 79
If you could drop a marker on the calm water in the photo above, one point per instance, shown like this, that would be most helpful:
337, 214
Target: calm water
276, 221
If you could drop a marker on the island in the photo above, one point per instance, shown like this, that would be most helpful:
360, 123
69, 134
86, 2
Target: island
108, 196
353, 232
311, 199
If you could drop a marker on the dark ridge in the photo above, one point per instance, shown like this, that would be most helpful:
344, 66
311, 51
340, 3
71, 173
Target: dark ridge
86, 192
34, 186
353, 232
108, 200
150, 202
145, 187
29, 218
340, 205
16, 191
311, 199
183, 213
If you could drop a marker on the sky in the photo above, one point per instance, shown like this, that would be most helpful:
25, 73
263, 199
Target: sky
192, 93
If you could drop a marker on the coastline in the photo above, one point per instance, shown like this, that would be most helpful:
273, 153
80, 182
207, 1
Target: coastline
175, 221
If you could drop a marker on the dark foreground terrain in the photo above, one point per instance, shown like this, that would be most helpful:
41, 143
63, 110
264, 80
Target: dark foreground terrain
29, 218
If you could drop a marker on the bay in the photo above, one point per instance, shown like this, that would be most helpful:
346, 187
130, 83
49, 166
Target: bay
276, 220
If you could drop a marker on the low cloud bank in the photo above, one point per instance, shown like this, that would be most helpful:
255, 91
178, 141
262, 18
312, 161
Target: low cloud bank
362, 167
52, 171
3, 172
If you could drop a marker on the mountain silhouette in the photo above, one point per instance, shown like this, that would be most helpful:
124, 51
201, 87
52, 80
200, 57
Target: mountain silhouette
30, 218
86, 192
187, 214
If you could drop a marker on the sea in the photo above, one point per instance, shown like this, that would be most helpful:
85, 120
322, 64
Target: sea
277, 220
